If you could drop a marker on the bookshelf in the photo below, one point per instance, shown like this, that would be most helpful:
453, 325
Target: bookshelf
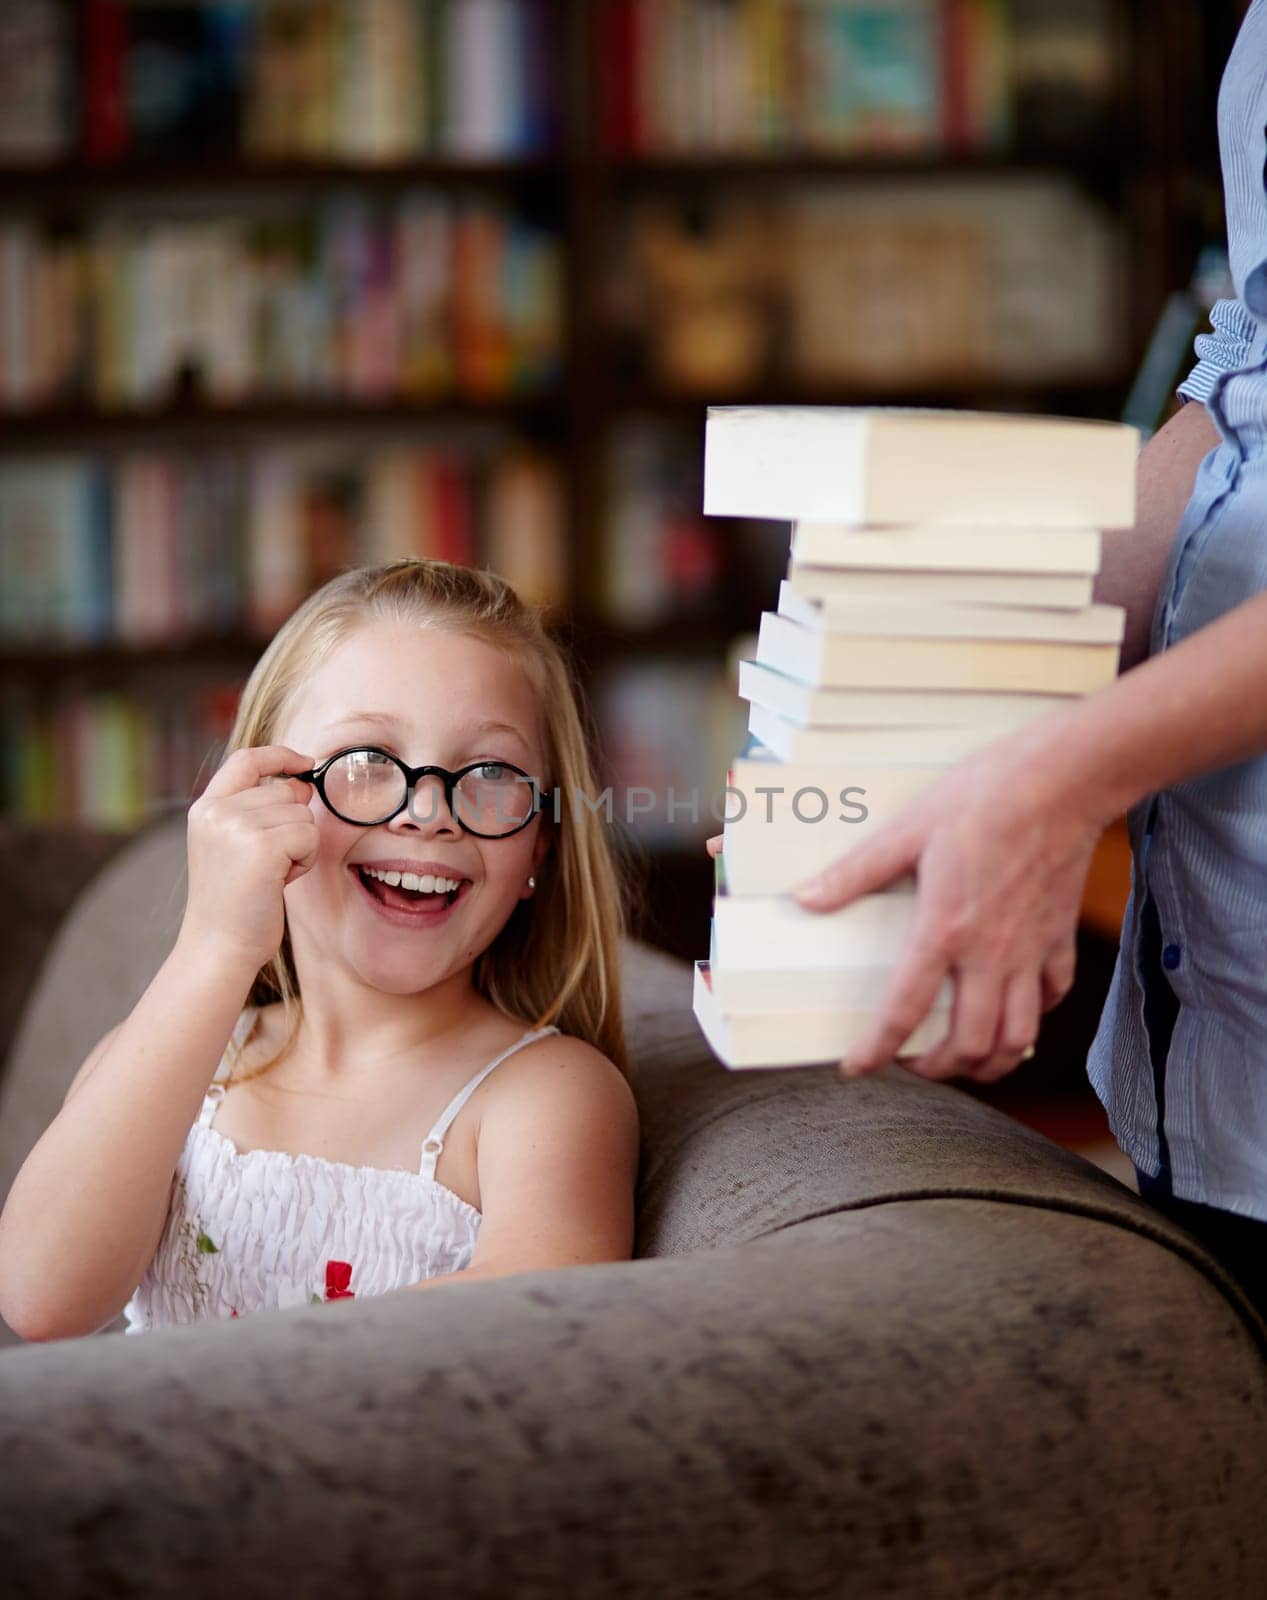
615, 164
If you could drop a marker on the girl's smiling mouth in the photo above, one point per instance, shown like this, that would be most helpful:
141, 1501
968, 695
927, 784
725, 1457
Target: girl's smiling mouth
408, 893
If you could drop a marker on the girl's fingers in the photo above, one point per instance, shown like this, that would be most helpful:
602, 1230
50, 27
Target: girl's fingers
282, 813
273, 791
713, 845
248, 767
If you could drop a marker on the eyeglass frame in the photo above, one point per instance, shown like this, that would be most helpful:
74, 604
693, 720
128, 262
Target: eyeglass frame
316, 776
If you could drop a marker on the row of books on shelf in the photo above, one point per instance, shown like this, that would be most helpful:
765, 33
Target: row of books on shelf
159, 548
113, 81
668, 729
854, 76
116, 757
110, 758
423, 298
911, 283
988, 531
663, 562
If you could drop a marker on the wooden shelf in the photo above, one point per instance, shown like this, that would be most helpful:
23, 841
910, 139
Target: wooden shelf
590, 640
234, 646
861, 166
58, 426
1089, 397
194, 650
77, 182
689, 638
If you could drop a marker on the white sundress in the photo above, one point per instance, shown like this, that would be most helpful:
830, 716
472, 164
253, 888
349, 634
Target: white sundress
256, 1230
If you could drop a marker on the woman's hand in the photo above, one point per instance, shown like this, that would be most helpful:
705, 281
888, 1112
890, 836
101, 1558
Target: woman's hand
250, 833
1001, 847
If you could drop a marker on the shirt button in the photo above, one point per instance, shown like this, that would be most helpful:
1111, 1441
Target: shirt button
1170, 957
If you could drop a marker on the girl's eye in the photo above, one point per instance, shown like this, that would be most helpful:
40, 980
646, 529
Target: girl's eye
491, 771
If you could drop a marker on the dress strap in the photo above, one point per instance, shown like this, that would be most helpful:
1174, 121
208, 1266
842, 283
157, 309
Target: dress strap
434, 1142
216, 1090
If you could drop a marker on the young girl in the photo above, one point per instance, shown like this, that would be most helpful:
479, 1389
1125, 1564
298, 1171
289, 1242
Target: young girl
401, 952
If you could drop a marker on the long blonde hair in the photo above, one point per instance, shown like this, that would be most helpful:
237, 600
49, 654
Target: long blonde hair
557, 959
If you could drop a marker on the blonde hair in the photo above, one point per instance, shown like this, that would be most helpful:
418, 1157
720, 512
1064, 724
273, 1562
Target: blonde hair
557, 959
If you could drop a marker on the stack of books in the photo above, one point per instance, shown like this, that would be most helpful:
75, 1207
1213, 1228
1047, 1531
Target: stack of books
938, 596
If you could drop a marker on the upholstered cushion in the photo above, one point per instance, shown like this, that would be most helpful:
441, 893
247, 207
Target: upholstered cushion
880, 1340
43, 869
916, 1398
98, 965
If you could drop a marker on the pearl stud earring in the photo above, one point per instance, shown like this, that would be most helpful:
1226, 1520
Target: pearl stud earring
532, 883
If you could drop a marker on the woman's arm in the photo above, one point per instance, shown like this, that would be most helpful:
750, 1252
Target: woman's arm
557, 1157
1134, 559
81, 1221
1002, 843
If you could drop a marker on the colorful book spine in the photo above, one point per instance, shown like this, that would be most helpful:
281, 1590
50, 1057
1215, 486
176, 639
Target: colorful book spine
153, 548
820, 76
361, 81
379, 304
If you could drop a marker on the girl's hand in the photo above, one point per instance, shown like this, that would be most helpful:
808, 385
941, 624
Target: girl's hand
1001, 847
250, 833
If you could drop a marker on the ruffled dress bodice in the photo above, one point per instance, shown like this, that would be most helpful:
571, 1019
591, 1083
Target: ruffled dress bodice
257, 1230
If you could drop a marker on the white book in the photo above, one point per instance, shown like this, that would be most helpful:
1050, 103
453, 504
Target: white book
776, 932
880, 661
962, 549
753, 990
810, 706
940, 747
786, 820
867, 466
1062, 590
795, 1039
1096, 624
480, 70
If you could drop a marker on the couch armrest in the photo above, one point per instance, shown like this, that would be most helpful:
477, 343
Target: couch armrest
43, 870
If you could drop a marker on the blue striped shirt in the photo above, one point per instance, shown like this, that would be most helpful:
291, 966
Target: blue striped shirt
1180, 1058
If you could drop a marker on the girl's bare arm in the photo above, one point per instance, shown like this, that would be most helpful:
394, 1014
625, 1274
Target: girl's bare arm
557, 1155
87, 1208
86, 1211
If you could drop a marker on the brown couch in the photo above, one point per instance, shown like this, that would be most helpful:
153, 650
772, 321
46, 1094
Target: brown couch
877, 1340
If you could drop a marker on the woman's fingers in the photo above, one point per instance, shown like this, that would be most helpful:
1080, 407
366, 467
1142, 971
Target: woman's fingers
907, 1001
974, 1022
713, 845
873, 865
1057, 974
1018, 1027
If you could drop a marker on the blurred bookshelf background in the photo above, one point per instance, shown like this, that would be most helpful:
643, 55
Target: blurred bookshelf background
292, 284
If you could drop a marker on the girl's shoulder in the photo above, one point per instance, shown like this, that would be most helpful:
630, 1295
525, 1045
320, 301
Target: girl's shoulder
551, 1050
258, 1036
557, 1074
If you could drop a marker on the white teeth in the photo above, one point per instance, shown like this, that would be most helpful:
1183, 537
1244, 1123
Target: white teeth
427, 883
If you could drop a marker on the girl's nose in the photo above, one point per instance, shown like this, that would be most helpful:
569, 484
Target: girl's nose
427, 807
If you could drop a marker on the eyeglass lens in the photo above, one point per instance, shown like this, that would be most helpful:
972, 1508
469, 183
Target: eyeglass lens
366, 787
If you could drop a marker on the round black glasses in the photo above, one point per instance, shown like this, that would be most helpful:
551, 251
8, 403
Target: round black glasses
367, 786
